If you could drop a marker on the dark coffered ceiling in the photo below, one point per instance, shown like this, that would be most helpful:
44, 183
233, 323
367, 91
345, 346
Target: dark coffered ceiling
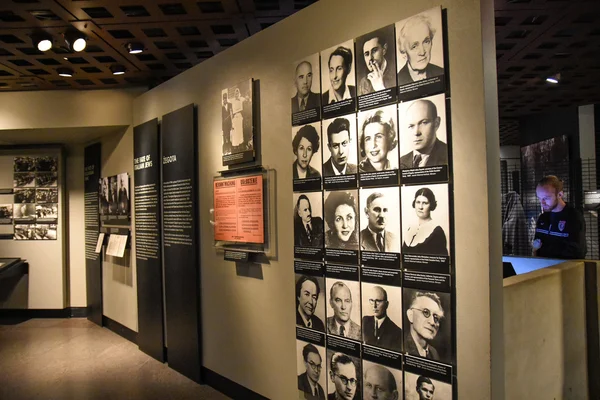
534, 39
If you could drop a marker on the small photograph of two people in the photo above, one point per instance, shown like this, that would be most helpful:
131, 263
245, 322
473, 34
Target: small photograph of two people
236, 118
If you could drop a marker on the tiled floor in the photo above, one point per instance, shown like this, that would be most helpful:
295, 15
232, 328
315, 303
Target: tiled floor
74, 359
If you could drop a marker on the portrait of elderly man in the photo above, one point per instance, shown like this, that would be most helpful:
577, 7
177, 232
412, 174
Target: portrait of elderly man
308, 382
420, 124
305, 98
378, 137
415, 43
379, 384
340, 300
339, 67
376, 236
379, 69
425, 314
344, 378
339, 143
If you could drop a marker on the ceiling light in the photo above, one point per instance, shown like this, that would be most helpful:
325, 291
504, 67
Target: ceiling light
135, 48
117, 69
66, 72
42, 41
553, 78
75, 40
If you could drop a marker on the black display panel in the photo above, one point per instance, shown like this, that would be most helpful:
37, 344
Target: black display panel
93, 260
180, 240
148, 228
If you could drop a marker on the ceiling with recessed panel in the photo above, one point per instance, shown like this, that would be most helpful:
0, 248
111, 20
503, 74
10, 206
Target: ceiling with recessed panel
534, 39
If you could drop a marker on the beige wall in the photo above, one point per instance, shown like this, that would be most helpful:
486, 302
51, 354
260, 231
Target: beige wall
76, 246
544, 334
249, 328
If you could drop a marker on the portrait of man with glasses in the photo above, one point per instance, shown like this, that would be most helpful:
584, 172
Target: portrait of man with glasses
426, 316
344, 377
308, 382
378, 328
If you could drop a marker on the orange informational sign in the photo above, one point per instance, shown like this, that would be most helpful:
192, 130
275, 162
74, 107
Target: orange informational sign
239, 209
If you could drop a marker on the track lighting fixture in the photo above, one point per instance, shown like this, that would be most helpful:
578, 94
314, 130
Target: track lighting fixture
42, 41
75, 40
553, 78
66, 72
135, 48
117, 69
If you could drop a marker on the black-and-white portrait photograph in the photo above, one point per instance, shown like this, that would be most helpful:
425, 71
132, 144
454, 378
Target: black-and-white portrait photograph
341, 219
381, 382
310, 302
421, 387
382, 315
24, 164
339, 151
337, 74
378, 139
46, 211
308, 219
423, 134
123, 193
103, 196
24, 196
306, 147
24, 179
343, 308
420, 47
113, 195
425, 220
376, 60
44, 232
343, 372
24, 211
236, 111
6, 213
46, 164
46, 179
24, 232
46, 195
306, 88
312, 372
380, 219
427, 330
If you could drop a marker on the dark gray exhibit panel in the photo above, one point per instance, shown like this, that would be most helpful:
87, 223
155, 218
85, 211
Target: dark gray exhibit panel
148, 228
180, 241
93, 260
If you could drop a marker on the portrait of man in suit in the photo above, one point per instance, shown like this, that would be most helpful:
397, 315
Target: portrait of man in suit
343, 376
425, 388
375, 237
340, 66
308, 382
307, 298
379, 61
305, 98
340, 300
308, 229
378, 328
339, 143
415, 43
425, 314
421, 123
379, 384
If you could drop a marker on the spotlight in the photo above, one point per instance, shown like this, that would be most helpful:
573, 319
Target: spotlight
42, 41
66, 72
75, 40
554, 79
135, 48
117, 69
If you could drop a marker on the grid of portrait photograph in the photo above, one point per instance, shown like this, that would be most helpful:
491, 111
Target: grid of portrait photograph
372, 208
34, 211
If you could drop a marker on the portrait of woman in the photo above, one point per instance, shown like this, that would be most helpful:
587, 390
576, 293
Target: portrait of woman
305, 145
425, 235
308, 227
378, 140
342, 221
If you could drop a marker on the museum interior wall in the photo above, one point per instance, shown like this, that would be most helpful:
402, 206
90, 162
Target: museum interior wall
248, 310
74, 118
